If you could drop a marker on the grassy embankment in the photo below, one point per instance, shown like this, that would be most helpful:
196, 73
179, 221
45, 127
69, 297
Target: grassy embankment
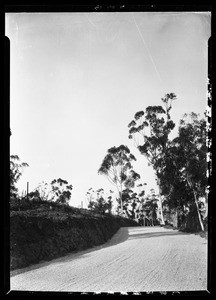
44, 231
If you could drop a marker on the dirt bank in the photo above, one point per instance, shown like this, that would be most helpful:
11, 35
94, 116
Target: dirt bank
43, 234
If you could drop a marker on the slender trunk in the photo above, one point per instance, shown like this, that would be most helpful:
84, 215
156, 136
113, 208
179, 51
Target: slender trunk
206, 207
121, 200
177, 214
198, 212
160, 206
197, 206
143, 218
152, 221
121, 206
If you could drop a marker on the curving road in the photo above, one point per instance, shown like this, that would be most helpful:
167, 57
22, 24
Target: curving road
136, 259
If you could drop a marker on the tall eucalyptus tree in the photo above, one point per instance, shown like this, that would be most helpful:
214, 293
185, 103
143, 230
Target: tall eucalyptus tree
150, 130
117, 167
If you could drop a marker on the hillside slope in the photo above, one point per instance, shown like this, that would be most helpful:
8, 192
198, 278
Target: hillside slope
45, 232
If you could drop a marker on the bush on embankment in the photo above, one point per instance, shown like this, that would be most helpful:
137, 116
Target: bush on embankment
48, 232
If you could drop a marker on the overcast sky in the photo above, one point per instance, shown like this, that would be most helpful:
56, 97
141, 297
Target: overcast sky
77, 79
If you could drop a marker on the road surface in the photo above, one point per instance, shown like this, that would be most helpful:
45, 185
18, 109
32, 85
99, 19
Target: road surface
136, 259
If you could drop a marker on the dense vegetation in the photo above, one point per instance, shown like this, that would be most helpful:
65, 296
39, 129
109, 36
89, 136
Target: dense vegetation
42, 230
180, 167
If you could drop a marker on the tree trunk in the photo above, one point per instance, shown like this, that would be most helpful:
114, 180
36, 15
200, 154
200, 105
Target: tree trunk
206, 207
198, 212
197, 206
121, 202
177, 216
160, 206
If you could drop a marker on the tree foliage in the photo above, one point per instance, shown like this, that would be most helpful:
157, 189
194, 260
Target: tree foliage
43, 191
149, 208
57, 190
183, 177
61, 190
16, 170
150, 130
117, 167
127, 198
98, 201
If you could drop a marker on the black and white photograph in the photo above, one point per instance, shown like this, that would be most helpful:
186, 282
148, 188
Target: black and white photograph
110, 122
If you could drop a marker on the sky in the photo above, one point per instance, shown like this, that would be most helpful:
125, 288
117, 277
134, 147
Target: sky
77, 79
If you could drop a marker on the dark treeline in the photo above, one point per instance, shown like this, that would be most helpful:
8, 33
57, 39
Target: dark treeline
180, 167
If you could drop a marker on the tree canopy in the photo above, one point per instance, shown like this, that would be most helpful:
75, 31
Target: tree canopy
150, 130
16, 170
117, 167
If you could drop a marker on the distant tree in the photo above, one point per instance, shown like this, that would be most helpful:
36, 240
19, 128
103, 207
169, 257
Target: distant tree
16, 170
44, 191
117, 167
150, 210
90, 197
109, 203
141, 187
100, 204
150, 131
134, 203
61, 190
126, 200
98, 201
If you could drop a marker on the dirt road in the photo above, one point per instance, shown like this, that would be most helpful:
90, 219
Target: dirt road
136, 259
